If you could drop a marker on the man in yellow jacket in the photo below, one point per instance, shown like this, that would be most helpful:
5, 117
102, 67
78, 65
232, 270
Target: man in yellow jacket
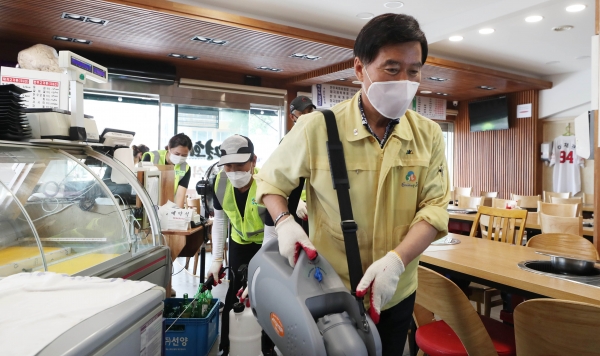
397, 171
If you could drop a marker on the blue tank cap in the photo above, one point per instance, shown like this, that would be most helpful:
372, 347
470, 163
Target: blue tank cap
318, 274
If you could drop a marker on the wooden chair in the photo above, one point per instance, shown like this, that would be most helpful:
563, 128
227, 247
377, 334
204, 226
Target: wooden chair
557, 327
588, 199
462, 191
566, 244
526, 201
489, 194
548, 196
501, 226
460, 330
577, 200
465, 202
563, 210
495, 203
558, 224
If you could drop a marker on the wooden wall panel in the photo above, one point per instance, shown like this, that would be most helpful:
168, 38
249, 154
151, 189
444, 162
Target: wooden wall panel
504, 161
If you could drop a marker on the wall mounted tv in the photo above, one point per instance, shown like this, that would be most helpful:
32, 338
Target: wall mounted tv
488, 115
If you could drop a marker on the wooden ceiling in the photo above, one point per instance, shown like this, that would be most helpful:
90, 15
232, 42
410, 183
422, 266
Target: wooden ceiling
151, 29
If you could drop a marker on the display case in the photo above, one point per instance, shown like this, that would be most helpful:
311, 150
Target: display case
74, 209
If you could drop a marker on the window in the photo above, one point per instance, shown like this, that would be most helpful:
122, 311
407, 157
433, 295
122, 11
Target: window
208, 127
448, 132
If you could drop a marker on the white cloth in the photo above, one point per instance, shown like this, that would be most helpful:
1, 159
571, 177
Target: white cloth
219, 232
382, 277
36, 308
301, 211
566, 176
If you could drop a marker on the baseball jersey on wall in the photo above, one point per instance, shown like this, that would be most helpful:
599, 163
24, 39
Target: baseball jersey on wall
566, 176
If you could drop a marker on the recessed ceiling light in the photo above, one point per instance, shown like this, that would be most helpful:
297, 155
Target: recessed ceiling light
270, 69
425, 91
72, 17
209, 40
393, 4
486, 31
437, 79
534, 18
357, 82
456, 38
485, 87
310, 57
183, 56
365, 15
342, 79
443, 94
96, 21
69, 39
575, 8
583, 57
62, 38
562, 28
552, 62
88, 19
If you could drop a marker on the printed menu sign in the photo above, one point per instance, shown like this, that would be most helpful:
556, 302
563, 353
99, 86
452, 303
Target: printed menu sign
327, 95
431, 108
44, 87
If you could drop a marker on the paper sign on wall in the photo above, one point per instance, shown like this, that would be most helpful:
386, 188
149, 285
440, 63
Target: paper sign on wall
523, 111
431, 108
46, 88
327, 95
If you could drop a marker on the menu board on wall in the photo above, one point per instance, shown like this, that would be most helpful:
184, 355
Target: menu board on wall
327, 95
431, 108
46, 89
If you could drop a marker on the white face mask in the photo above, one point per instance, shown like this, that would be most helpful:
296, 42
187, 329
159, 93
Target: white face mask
240, 179
177, 159
391, 99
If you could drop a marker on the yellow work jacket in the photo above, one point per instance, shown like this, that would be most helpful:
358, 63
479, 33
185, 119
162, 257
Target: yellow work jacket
391, 188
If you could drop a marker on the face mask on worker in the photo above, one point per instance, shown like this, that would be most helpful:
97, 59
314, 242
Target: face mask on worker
391, 99
240, 179
177, 159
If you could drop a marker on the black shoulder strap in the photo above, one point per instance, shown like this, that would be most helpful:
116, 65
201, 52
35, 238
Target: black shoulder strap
341, 184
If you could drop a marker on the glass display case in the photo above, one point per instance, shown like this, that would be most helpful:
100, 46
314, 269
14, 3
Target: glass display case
74, 209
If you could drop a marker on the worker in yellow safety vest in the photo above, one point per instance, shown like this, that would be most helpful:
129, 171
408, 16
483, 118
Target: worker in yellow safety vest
251, 224
176, 154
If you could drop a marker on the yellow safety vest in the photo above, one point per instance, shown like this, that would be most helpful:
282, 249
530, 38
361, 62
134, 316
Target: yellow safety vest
250, 228
160, 157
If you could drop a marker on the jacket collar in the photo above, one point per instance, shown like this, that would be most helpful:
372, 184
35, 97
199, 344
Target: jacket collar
355, 130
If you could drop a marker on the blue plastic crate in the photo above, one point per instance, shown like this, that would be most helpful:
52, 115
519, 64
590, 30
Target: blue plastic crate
191, 336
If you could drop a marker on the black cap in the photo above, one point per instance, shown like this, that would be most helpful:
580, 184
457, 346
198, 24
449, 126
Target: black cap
239, 307
300, 103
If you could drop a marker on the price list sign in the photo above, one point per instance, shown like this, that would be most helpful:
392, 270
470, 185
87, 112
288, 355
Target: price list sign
326, 95
44, 87
431, 108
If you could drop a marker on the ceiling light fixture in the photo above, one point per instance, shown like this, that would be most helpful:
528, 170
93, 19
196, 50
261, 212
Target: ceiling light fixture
562, 28
310, 57
365, 16
443, 94
456, 38
534, 18
270, 69
437, 79
182, 56
425, 91
70, 39
209, 40
394, 4
342, 79
485, 87
575, 8
88, 19
486, 31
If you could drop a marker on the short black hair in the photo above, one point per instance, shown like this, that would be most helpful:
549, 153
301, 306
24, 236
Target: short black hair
180, 139
388, 29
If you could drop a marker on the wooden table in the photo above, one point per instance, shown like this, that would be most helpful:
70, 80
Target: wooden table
495, 264
529, 224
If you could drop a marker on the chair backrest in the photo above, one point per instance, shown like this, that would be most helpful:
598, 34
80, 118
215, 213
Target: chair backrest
557, 224
462, 191
564, 210
548, 196
565, 244
489, 194
557, 327
442, 297
505, 230
466, 202
577, 200
588, 199
526, 201
503, 203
